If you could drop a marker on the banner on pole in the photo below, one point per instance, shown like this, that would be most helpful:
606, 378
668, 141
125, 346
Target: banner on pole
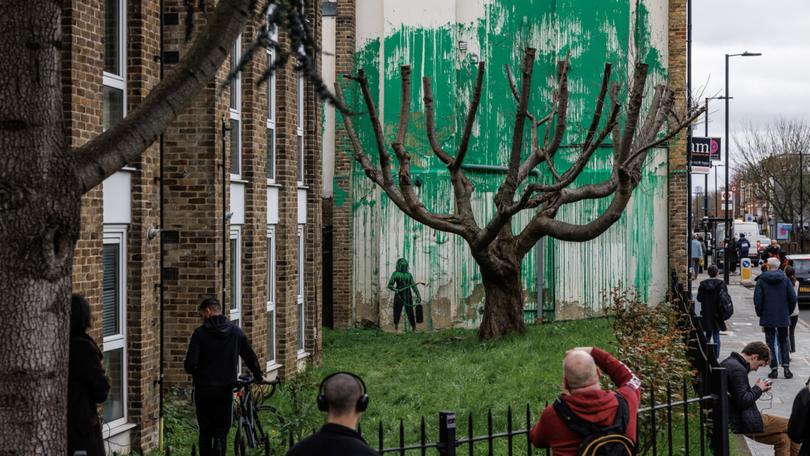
704, 151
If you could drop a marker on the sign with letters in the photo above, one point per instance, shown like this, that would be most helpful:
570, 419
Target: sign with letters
704, 151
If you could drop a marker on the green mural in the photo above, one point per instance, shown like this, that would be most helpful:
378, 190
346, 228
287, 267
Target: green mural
591, 32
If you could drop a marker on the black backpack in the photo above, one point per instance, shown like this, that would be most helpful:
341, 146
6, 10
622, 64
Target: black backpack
726, 307
596, 440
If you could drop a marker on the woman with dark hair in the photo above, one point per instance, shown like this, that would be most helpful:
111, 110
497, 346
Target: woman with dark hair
87, 383
790, 272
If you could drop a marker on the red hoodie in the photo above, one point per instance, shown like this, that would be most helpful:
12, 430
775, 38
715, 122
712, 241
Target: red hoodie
596, 406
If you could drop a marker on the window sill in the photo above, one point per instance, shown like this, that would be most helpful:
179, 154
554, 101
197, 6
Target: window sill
238, 180
272, 367
302, 355
273, 184
119, 429
301, 186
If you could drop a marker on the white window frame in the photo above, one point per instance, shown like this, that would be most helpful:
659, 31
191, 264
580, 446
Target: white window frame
235, 309
301, 310
236, 113
115, 81
117, 235
271, 102
271, 292
299, 128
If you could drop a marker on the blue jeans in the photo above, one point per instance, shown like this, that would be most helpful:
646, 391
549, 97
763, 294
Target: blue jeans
716, 336
778, 342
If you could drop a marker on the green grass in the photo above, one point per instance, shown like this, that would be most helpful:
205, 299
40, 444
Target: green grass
419, 374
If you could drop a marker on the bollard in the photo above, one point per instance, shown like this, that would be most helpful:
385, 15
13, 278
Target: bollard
447, 434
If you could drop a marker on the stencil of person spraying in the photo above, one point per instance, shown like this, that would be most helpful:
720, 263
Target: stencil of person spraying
401, 283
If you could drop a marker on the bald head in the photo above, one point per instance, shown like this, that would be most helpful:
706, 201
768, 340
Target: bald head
579, 370
342, 392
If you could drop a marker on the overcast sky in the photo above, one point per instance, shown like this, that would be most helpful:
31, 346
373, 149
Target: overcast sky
764, 88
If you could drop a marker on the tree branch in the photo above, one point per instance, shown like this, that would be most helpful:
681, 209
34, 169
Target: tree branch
468, 126
385, 159
107, 153
430, 123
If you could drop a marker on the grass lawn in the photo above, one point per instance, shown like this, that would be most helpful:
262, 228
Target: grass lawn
419, 374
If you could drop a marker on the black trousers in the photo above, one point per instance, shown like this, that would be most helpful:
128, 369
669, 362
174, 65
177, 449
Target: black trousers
214, 413
780, 336
398, 305
793, 322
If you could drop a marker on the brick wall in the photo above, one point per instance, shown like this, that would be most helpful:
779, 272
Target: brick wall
677, 183
342, 221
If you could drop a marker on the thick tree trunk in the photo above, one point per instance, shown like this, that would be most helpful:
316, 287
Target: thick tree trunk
39, 224
503, 308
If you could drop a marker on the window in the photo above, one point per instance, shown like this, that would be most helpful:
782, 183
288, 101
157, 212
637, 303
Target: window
301, 311
236, 112
114, 75
271, 111
235, 312
114, 340
299, 127
271, 296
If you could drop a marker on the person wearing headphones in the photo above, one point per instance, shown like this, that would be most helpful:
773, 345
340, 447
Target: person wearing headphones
343, 397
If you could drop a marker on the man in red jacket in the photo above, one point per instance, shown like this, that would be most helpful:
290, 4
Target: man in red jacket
587, 400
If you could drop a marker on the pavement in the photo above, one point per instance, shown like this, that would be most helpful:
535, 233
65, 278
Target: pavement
743, 328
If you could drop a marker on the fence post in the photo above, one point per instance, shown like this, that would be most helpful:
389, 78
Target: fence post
447, 434
721, 412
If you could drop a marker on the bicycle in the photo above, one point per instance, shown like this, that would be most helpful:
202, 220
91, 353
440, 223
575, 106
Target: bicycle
249, 431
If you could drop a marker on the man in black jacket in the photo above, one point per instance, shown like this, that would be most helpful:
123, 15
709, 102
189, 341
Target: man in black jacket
342, 395
799, 424
213, 362
744, 416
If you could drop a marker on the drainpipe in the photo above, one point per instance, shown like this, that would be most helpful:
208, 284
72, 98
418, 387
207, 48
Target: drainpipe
160, 380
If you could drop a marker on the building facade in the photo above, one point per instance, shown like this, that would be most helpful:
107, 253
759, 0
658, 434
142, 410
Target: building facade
445, 41
239, 172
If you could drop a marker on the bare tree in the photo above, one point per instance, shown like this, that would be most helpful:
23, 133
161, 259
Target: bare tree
769, 165
496, 249
42, 181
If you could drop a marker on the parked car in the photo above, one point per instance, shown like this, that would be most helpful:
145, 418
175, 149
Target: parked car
801, 263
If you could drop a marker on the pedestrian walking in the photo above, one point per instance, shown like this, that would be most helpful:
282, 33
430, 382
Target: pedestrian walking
697, 256
744, 416
743, 246
710, 293
212, 360
87, 384
732, 256
799, 423
774, 301
790, 272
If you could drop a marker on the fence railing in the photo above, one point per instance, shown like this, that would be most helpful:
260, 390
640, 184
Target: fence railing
664, 426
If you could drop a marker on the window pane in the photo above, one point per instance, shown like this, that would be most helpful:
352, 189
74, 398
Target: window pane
112, 34
114, 365
111, 324
234, 274
271, 153
299, 99
271, 336
236, 156
300, 271
271, 271
234, 83
300, 158
301, 325
113, 110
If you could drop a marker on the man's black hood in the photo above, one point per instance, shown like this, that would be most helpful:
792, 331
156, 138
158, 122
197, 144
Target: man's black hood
218, 326
711, 284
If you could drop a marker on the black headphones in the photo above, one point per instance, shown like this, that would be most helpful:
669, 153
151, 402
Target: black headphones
362, 401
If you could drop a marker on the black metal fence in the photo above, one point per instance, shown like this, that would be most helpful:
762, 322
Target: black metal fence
664, 426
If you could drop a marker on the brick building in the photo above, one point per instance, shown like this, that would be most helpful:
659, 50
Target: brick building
240, 219
445, 41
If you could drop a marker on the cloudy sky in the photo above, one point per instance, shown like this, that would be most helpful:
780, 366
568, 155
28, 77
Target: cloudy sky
764, 88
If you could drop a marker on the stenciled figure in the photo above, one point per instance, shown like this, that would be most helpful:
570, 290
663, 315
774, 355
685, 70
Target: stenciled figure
401, 283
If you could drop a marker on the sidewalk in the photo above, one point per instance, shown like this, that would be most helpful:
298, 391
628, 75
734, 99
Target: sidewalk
743, 328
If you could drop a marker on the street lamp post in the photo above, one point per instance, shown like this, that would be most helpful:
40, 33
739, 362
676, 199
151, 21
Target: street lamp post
728, 165
706, 186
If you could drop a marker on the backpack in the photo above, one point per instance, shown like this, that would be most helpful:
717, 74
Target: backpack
726, 307
596, 440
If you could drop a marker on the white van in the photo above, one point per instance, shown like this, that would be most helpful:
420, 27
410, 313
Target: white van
752, 233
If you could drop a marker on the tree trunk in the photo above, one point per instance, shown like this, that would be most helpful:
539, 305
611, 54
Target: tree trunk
503, 307
39, 224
